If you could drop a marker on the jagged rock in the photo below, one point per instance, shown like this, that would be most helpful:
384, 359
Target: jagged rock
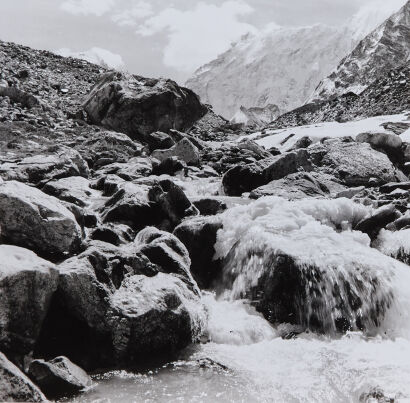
15, 386
209, 206
172, 202
58, 162
242, 179
115, 234
303, 142
59, 377
108, 184
350, 193
106, 147
74, 189
199, 237
355, 164
30, 218
105, 289
154, 314
130, 205
27, 284
378, 220
298, 186
389, 187
134, 168
159, 141
168, 166
138, 106
391, 144
165, 250
184, 150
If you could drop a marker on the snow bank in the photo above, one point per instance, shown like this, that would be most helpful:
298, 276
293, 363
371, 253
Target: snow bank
275, 138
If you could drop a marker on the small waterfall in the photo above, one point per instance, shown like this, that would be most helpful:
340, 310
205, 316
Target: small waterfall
300, 263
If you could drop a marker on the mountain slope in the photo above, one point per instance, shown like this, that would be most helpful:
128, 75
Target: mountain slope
388, 95
281, 65
387, 47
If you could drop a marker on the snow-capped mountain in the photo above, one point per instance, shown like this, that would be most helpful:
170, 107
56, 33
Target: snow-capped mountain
387, 47
280, 65
256, 116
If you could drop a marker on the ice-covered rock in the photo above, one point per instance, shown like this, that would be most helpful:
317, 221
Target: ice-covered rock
300, 263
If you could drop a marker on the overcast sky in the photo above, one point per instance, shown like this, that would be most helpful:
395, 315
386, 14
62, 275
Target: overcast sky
158, 37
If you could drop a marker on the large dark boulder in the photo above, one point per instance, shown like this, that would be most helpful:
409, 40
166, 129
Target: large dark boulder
377, 220
58, 377
199, 237
139, 106
15, 386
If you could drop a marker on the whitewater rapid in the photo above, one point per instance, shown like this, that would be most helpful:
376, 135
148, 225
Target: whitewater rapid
248, 359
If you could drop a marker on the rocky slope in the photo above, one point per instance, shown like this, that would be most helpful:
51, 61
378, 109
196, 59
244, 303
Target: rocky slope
384, 49
109, 226
388, 95
280, 66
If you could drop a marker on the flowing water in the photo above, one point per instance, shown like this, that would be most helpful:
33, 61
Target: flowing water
250, 360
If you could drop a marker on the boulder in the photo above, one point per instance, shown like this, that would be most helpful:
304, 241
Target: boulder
59, 377
58, 162
134, 168
139, 106
379, 219
354, 163
107, 311
168, 166
19, 96
130, 205
183, 150
166, 251
386, 142
208, 206
298, 186
244, 178
27, 284
172, 202
74, 189
15, 386
106, 147
30, 218
116, 234
157, 314
158, 141
199, 237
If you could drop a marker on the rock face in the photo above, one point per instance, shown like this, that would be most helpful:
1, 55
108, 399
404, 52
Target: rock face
59, 377
30, 218
15, 386
184, 150
256, 117
27, 284
384, 49
139, 106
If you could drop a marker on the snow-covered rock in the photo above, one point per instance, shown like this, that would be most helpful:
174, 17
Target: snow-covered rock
385, 48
